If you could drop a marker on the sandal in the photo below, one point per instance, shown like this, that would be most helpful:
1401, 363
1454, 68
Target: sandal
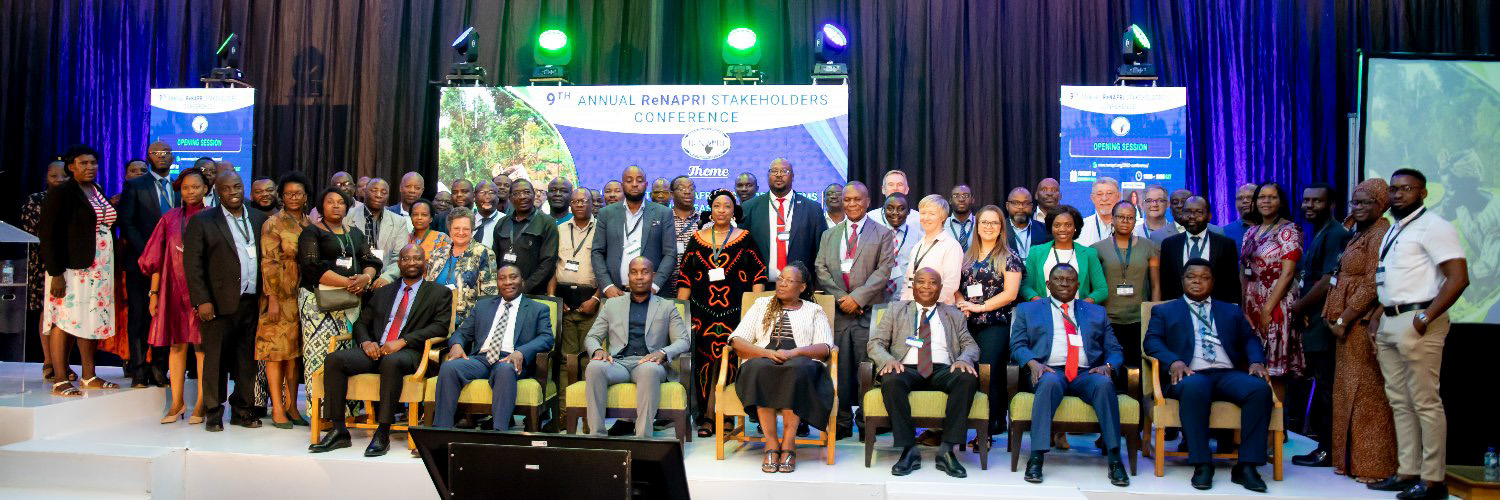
706, 430
70, 391
98, 383
769, 465
788, 461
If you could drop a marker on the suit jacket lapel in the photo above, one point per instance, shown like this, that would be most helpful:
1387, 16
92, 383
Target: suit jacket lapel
1047, 329
651, 304
221, 221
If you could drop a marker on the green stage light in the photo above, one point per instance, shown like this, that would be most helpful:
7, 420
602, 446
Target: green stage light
552, 48
1139, 37
1135, 51
741, 52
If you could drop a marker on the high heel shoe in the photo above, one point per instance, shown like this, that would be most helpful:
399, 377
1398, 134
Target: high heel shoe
300, 420
172, 416
281, 425
195, 420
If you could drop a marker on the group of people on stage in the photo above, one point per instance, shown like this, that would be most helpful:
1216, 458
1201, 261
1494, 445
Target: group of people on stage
1247, 308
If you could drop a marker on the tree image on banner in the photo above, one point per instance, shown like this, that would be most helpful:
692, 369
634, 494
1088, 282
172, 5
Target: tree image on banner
487, 131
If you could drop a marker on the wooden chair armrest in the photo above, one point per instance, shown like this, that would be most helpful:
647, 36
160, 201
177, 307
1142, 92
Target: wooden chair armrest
1133, 380
333, 343
571, 365
984, 378
1012, 379
427, 347
723, 371
866, 378
833, 368
1156, 394
543, 367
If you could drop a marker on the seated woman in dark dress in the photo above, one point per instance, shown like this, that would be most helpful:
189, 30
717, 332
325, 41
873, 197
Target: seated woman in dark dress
785, 340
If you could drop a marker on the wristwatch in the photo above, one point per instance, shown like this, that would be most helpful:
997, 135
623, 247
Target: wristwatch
1339, 322
1422, 316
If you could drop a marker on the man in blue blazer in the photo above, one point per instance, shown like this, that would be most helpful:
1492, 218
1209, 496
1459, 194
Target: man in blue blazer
786, 226
143, 200
1069, 349
1214, 355
504, 333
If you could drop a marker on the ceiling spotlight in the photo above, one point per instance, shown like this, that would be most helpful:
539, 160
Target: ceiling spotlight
830, 47
741, 53
1135, 47
467, 70
552, 53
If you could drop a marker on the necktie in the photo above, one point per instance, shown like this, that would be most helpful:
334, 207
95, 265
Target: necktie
483, 223
850, 247
492, 344
924, 354
1206, 334
165, 196
1197, 249
372, 228
1072, 368
780, 228
395, 329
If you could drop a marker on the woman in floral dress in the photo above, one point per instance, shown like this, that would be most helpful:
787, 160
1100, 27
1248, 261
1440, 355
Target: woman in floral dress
1269, 260
80, 300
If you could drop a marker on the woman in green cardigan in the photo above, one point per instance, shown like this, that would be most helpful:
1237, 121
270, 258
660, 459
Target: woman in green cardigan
1064, 224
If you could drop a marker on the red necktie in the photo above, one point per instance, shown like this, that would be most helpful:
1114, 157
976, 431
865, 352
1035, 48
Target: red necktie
849, 248
780, 228
395, 329
1072, 370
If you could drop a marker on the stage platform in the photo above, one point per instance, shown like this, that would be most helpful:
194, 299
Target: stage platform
109, 444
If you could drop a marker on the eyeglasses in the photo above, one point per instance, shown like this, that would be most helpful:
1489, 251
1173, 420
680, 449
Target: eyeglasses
1153, 201
989, 223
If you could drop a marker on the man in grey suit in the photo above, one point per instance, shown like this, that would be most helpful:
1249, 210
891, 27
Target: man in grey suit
854, 263
629, 230
635, 339
385, 231
922, 345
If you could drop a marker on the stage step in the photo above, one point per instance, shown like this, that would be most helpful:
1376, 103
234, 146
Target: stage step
46, 468
901, 490
28, 411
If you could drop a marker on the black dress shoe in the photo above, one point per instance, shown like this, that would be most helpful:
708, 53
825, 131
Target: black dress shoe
333, 440
948, 462
1246, 475
1318, 458
213, 426
1424, 490
1034, 467
1393, 483
841, 433
379, 444
910, 460
622, 428
247, 422
1203, 476
1117, 474
138, 382
803, 430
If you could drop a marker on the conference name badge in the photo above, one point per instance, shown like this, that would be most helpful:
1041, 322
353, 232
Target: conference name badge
914, 342
345, 262
975, 291
845, 265
570, 266
1075, 340
716, 274
510, 257
681, 248
1125, 290
1380, 276
378, 253
784, 236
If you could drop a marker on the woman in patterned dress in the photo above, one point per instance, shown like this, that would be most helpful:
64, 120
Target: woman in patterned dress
991, 270
78, 252
1269, 257
422, 232
721, 264
1358, 386
465, 265
174, 323
31, 219
333, 255
278, 336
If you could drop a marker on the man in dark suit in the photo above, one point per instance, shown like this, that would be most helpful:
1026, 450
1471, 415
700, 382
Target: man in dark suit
854, 263
786, 226
1023, 232
1197, 241
528, 239
505, 332
221, 258
392, 328
922, 345
1213, 355
633, 229
143, 200
1069, 349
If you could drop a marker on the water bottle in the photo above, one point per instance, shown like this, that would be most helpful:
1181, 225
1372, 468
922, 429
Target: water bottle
8, 274
1491, 465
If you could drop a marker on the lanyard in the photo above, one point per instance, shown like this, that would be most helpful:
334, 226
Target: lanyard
629, 232
1073, 258
1125, 259
1023, 238
1209, 325
782, 219
343, 249
904, 231
244, 227
1066, 319
966, 228
919, 319
1098, 228
923, 256
573, 237
1397, 233
714, 244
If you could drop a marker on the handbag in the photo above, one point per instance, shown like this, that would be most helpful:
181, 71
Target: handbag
332, 298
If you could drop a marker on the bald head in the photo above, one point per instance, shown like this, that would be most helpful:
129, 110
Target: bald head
412, 186
1048, 194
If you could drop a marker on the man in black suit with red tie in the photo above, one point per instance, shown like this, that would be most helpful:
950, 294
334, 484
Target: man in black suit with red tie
1198, 241
786, 226
392, 328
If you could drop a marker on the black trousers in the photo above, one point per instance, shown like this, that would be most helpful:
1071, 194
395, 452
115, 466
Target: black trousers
851, 339
994, 349
896, 388
138, 329
1129, 335
228, 349
1320, 411
345, 363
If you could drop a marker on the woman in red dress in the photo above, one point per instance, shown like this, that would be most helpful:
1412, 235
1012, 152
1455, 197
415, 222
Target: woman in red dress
173, 322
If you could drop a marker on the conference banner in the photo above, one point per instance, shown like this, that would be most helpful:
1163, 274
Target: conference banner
589, 134
1134, 134
217, 123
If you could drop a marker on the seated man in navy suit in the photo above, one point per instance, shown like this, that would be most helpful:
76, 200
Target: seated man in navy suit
1214, 355
1069, 349
504, 332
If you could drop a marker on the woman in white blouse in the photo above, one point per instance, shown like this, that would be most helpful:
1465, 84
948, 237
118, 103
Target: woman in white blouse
785, 340
937, 249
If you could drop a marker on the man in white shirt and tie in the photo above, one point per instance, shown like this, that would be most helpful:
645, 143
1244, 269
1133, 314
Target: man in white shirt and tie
498, 341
